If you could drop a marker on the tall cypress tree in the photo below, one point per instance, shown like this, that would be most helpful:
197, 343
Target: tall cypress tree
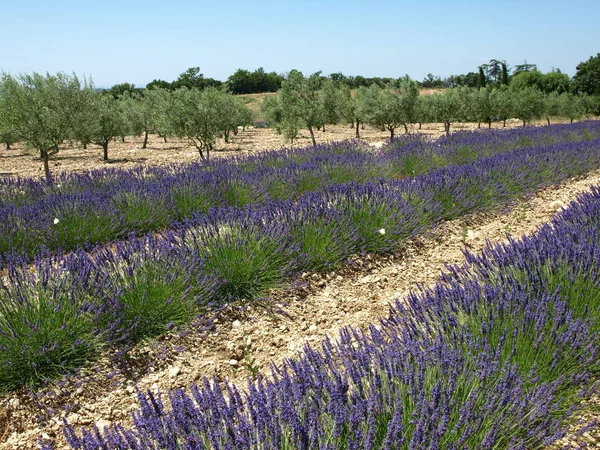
481, 78
504, 74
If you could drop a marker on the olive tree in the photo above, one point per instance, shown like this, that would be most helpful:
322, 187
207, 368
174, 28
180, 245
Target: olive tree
529, 104
41, 110
502, 104
233, 112
142, 111
303, 98
348, 107
106, 122
409, 99
6, 135
7, 138
390, 107
285, 121
199, 116
591, 105
331, 103
480, 104
297, 105
371, 106
570, 106
445, 107
424, 110
552, 105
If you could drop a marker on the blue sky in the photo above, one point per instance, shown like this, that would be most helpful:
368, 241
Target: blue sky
135, 41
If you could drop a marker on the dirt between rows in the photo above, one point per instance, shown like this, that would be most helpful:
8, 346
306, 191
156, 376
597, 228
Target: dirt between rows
244, 342
23, 162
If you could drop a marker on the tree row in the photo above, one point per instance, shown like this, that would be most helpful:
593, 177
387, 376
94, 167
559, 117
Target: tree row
312, 103
43, 111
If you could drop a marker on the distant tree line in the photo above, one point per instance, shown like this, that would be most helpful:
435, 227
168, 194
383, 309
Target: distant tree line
494, 73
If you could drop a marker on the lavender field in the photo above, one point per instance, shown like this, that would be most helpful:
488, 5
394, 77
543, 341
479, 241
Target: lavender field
495, 356
82, 210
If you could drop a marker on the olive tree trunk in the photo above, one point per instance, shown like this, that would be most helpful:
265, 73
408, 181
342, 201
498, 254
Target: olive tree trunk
312, 136
45, 157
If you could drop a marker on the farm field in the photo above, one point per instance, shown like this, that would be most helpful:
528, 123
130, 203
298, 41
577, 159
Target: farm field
270, 275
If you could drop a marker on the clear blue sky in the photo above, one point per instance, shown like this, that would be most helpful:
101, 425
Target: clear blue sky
138, 41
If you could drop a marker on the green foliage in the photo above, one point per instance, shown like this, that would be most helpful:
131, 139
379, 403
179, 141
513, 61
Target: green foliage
525, 67
232, 113
571, 106
7, 137
348, 105
504, 74
298, 105
284, 121
323, 242
502, 103
190, 199
431, 81
479, 107
444, 107
141, 212
591, 104
200, 116
378, 223
106, 121
409, 165
587, 78
529, 104
481, 81
552, 106
119, 90
74, 226
529, 79
381, 109
556, 81
143, 112
192, 78
391, 107
332, 101
237, 193
246, 82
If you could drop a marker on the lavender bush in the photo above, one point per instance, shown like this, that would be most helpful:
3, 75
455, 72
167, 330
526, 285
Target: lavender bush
492, 357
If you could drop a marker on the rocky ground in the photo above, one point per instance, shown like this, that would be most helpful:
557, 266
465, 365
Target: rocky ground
242, 342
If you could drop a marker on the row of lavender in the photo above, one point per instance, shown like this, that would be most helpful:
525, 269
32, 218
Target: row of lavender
60, 312
495, 356
97, 207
